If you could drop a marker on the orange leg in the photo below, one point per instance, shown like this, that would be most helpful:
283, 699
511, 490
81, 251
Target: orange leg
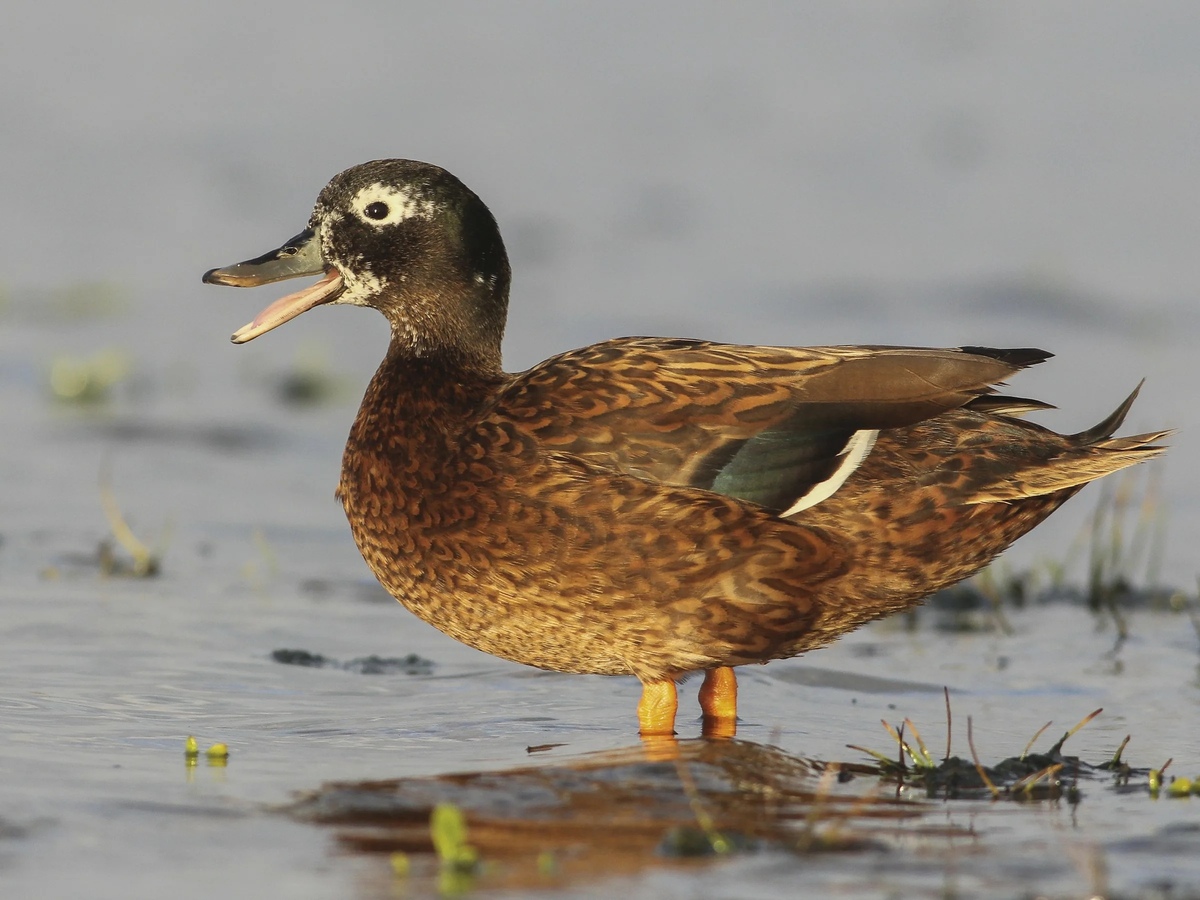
718, 702
656, 709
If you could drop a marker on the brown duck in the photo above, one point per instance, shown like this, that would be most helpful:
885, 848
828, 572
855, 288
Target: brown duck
651, 506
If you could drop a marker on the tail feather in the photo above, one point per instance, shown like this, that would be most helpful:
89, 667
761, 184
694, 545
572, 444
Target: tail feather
1108, 427
1072, 471
1137, 441
1088, 455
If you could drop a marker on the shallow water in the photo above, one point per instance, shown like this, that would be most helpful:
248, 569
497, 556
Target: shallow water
903, 173
105, 678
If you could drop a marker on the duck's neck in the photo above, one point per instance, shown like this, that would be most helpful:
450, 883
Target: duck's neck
452, 320
421, 349
416, 391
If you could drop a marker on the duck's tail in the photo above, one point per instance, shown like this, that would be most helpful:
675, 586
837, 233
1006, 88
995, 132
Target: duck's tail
1088, 455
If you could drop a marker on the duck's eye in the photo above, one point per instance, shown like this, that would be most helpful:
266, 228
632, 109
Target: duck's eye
376, 210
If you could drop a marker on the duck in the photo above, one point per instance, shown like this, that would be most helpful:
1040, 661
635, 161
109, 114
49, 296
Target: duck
646, 506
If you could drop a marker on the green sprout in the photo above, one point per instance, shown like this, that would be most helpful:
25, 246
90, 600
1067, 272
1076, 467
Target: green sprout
448, 827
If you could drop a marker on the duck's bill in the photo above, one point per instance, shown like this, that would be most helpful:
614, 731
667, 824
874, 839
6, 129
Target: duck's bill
297, 258
289, 307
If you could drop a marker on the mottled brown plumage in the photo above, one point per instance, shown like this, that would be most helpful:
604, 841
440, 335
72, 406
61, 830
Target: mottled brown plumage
649, 506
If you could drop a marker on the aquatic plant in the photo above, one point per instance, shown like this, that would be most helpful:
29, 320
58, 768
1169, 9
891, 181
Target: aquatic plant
87, 380
146, 561
1028, 776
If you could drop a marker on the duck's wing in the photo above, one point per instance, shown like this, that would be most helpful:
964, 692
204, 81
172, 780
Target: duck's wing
778, 426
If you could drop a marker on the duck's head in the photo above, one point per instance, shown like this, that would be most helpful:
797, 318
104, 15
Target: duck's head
405, 237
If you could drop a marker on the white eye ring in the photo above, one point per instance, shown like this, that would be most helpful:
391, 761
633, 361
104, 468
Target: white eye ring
380, 204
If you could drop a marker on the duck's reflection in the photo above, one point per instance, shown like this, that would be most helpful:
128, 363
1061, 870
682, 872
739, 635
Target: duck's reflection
611, 813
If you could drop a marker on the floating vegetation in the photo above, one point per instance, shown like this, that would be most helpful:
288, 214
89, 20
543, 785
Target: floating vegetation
87, 380
458, 861
448, 830
217, 755
1030, 776
412, 664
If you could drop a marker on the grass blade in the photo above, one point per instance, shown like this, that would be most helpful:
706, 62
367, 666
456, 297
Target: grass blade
978, 766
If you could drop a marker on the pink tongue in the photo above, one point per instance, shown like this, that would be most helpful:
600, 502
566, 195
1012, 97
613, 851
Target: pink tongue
289, 307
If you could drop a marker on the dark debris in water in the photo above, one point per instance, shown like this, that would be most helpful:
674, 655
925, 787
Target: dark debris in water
957, 778
412, 664
302, 658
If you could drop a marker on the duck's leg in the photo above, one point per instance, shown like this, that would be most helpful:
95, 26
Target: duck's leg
718, 702
656, 709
